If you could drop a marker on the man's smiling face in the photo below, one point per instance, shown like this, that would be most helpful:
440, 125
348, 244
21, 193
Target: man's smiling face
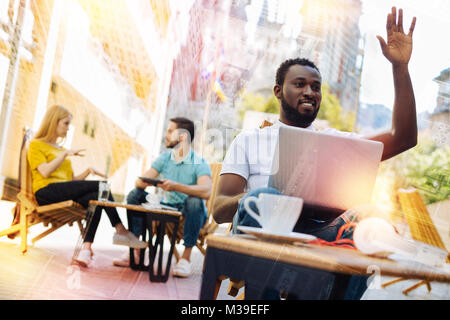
300, 95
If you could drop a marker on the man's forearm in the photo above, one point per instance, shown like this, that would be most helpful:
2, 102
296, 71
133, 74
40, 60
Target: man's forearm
199, 191
225, 207
404, 121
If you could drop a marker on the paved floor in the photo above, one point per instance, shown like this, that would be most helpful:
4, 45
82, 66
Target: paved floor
44, 272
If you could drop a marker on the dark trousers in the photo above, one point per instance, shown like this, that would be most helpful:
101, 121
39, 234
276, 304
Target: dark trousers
80, 191
193, 210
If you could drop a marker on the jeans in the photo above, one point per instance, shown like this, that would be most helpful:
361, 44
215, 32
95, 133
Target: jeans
192, 209
322, 229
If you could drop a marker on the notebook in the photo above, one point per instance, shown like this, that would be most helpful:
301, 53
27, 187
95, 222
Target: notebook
331, 173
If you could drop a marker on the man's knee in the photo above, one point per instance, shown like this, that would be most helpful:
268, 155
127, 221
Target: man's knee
136, 196
258, 191
193, 205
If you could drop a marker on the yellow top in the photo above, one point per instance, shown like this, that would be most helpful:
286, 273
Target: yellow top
40, 152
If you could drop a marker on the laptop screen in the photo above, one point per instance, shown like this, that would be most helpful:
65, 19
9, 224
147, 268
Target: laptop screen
329, 171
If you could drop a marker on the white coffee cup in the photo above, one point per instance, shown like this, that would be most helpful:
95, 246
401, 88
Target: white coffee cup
104, 188
153, 199
277, 213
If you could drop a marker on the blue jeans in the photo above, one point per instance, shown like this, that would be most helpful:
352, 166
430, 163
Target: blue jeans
323, 230
193, 210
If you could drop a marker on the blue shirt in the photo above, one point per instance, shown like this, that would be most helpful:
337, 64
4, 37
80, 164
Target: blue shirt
187, 171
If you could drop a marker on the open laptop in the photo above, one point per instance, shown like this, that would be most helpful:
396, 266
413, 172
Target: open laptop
331, 173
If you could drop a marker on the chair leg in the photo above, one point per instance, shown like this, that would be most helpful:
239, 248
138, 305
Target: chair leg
176, 254
202, 250
241, 296
234, 287
45, 233
408, 290
11, 230
217, 288
80, 226
23, 233
384, 285
218, 284
428, 286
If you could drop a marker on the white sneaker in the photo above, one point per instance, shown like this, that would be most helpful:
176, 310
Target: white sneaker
182, 269
84, 258
129, 239
124, 260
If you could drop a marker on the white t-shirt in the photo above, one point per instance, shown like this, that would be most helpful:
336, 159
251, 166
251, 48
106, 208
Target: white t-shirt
251, 153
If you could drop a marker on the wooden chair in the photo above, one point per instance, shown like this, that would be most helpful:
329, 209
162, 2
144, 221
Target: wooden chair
54, 215
235, 285
421, 227
210, 225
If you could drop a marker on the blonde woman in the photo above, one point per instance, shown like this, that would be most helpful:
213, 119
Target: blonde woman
54, 179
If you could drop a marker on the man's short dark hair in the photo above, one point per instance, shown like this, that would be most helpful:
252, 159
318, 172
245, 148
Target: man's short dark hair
284, 67
186, 124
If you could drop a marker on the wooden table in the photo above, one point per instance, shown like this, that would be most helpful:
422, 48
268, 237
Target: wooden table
161, 217
304, 271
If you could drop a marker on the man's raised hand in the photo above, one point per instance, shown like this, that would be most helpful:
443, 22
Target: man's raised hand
399, 45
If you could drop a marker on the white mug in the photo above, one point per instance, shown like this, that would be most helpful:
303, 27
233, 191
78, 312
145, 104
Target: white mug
277, 213
153, 199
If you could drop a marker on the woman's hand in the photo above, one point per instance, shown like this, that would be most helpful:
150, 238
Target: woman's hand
97, 173
87, 172
75, 152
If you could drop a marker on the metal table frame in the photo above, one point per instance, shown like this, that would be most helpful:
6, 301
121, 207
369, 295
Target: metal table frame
159, 217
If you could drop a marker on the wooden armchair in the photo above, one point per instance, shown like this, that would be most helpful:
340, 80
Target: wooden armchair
54, 215
421, 226
210, 225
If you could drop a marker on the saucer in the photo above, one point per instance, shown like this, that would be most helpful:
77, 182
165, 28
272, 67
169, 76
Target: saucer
290, 237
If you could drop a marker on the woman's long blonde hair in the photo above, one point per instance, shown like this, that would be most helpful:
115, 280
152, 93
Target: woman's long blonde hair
47, 130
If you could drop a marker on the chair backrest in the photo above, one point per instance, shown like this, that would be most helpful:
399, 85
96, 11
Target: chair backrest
419, 221
25, 181
215, 172
265, 124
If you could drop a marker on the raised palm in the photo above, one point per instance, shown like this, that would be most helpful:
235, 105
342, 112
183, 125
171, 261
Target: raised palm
399, 45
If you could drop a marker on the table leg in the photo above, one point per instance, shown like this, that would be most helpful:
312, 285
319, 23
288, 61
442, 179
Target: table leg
209, 276
340, 285
152, 248
158, 245
265, 278
161, 232
172, 245
159, 242
254, 292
